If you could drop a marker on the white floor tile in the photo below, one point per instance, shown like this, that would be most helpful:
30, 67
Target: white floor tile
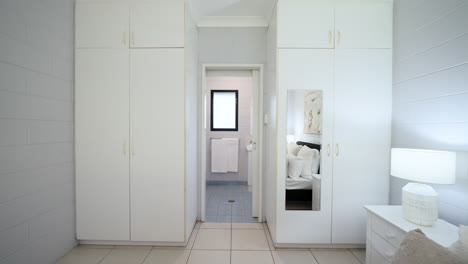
215, 226
329, 256
293, 257
247, 226
209, 257
249, 240
360, 253
167, 256
84, 255
126, 255
251, 257
213, 239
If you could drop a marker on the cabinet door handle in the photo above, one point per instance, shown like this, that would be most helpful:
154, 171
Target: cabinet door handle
124, 38
133, 149
125, 147
328, 150
132, 38
339, 37
337, 150
329, 37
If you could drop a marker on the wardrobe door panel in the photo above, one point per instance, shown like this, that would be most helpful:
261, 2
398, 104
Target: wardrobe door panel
304, 76
157, 23
101, 144
157, 145
366, 24
101, 24
362, 134
305, 24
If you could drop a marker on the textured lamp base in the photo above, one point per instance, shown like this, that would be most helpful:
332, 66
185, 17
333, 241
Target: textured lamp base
420, 205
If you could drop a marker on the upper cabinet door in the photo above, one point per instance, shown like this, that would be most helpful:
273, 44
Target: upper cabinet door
366, 24
157, 23
305, 69
101, 25
305, 24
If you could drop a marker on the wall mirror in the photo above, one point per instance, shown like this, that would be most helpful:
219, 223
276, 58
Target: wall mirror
304, 137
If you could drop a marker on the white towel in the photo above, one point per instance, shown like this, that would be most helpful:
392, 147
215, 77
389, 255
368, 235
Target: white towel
219, 156
232, 147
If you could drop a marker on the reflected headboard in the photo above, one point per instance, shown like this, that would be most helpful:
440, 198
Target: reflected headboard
310, 145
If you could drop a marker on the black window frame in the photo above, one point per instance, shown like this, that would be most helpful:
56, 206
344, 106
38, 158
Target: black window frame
237, 111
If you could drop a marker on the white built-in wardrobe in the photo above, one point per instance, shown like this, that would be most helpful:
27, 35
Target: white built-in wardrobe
135, 121
344, 49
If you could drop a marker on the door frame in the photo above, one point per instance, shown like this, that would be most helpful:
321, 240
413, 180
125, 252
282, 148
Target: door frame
257, 191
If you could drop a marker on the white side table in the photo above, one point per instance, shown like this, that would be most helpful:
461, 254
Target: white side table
386, 228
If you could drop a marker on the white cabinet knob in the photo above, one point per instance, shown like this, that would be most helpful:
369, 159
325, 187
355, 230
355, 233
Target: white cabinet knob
124, 38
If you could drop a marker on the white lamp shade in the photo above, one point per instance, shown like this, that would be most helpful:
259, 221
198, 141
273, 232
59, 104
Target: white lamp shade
420, 165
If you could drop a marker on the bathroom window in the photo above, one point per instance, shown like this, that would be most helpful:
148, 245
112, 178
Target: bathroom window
224, 110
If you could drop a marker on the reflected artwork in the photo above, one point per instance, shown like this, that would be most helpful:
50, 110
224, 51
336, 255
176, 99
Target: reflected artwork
313, 102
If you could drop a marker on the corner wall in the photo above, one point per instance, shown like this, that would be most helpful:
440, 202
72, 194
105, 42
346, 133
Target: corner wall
37, 204
430, 91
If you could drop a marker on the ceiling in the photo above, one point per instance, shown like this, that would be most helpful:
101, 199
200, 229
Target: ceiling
230, 8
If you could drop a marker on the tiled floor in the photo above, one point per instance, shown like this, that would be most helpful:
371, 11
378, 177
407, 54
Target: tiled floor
215, 243
219, 209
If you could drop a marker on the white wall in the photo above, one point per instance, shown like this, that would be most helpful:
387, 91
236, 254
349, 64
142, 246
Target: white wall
191, 91
37, 210
269, 130
430, 104
243, 82
232, 45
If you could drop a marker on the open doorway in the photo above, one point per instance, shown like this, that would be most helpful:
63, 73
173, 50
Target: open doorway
231, 143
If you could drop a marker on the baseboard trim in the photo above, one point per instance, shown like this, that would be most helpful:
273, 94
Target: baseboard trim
131, 243
226, 183
318, 246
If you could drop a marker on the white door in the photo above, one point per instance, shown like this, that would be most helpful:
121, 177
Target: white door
364, 25
157, 135
101, 144
157, 23
305, 70
363, 99
305, 24
101, 25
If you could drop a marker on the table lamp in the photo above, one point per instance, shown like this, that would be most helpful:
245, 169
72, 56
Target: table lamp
420, 201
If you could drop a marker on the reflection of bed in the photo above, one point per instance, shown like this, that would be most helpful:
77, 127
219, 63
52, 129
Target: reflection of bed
298, 184
305, 189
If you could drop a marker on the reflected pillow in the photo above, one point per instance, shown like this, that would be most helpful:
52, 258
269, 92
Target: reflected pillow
295, 166
293, 148
312, 161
